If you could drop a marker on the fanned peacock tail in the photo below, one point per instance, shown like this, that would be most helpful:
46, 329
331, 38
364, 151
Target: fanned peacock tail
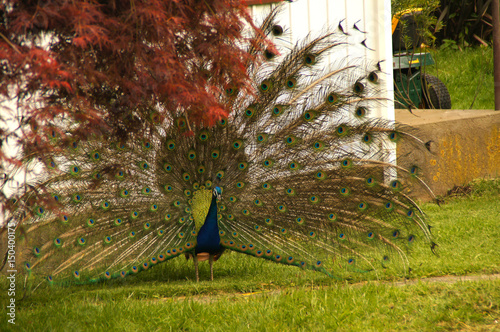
303, 169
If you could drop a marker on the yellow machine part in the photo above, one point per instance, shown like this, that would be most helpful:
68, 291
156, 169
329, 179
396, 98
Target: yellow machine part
397, 16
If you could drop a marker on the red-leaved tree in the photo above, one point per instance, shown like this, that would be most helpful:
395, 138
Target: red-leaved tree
115, 67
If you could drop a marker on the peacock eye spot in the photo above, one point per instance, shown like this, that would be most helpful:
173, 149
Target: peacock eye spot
268, 54
373, 77
359, 87
360, 112
277, 30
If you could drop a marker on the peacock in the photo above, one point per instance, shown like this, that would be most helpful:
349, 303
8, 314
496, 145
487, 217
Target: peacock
299, 173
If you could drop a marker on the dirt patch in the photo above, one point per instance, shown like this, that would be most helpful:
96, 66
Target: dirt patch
450, 279
459, 191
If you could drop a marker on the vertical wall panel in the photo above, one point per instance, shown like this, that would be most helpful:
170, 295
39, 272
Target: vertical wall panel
319, 18
305, 17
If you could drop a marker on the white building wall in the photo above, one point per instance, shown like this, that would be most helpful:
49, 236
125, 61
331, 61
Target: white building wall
372, 16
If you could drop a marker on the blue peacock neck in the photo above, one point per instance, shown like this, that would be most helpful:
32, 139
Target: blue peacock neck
208, 239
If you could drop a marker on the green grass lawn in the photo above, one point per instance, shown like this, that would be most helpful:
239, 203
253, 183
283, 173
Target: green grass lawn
468, 75
165, 297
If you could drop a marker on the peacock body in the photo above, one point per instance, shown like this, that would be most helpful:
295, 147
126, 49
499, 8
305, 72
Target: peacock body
297, 173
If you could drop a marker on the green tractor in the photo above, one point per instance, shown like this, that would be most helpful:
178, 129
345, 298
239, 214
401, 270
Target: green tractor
413, 88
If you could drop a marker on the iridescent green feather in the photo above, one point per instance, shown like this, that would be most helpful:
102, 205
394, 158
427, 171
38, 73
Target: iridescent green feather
303, 165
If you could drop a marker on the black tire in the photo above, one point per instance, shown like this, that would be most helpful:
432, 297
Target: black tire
434, 93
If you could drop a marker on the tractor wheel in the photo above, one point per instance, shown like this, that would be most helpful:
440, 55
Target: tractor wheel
434, 93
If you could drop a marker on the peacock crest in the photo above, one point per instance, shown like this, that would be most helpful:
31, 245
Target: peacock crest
298, 173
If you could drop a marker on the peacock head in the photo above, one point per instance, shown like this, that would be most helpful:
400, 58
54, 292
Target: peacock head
217, 193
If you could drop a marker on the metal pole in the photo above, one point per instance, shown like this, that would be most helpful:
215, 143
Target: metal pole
496, 51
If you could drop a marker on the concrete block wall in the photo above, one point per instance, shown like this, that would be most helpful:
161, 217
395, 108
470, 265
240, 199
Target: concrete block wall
465, 146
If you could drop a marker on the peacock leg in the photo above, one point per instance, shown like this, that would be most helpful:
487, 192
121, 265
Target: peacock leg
211, 260
195, 260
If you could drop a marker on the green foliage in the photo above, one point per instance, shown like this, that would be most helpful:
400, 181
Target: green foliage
467, 22
427, 23
468, 75
464, 21
482, 187
449, 44
400, 5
